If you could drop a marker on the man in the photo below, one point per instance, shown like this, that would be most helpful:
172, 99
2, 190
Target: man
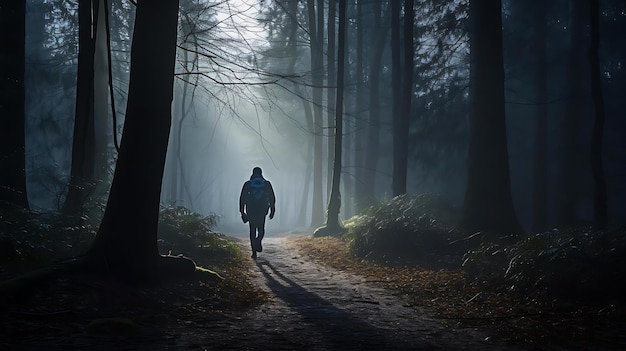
256, 199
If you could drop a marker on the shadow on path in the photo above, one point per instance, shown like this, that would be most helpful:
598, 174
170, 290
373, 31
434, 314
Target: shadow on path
341, 329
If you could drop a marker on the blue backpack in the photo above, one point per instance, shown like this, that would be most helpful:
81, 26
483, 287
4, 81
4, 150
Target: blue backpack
258, 190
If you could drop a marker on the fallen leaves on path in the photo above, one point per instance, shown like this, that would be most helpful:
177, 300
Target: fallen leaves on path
461, 300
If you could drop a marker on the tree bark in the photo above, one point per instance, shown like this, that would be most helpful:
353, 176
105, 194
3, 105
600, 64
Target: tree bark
82, 172
373, 132
403, 87
101, 93
292, 12
541, 122
330, 90
396, 101
360, 104
126, 242
334, 204
569, 192
317, 80
12, 98
599, 182
488, 204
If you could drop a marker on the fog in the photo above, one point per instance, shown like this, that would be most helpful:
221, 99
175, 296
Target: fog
242, 91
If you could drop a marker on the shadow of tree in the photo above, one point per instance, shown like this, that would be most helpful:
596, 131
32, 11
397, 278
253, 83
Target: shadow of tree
342, 329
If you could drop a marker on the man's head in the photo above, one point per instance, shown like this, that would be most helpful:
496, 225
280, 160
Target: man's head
257, 171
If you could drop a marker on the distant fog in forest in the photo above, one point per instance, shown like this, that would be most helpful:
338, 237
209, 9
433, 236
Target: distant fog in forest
239, 101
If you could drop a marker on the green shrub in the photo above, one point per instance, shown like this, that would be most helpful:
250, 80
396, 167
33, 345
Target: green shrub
402, 229
182, 231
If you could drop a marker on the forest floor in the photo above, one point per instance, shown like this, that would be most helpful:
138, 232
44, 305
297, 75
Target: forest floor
301, 293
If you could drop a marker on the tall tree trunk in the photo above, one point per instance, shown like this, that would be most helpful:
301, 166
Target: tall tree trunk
407, 97
599, 182
317, 80
82, 172
126, 242
373, 133
541, 123
330, 90
569, 192
360, 104
334, 204
292, 12
402, 80
101, 93
488, 203
396, 98
12, 98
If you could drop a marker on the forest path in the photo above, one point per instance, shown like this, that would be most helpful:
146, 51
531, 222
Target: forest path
314, 307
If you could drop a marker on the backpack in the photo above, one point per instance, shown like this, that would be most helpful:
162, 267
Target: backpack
258, 190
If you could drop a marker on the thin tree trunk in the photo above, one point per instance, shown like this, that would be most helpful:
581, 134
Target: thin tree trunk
402, 84
396, 97
12, 99
334, 204
101, 94
360, 123
599, 182
330, 90
406, 99
569, 198
541, 123
82, 172
317, 78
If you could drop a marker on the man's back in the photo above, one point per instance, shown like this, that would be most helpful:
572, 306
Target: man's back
257, 195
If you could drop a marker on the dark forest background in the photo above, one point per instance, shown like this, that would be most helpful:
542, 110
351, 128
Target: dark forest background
507, 116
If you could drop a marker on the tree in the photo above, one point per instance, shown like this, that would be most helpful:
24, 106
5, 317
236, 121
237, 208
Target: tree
599, 182
360, 104
330, 90
569, 192
334, 204
83, 142
125, 244
316, 37
541, 123
398, 186
12, 97
373, 130
488, 204
402, 81
292, 13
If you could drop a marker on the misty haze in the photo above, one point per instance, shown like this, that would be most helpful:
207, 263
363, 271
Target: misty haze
312, 174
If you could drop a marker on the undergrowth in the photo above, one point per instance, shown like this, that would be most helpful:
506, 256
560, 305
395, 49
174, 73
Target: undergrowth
30, 239
578, 264
182, 231
403, 229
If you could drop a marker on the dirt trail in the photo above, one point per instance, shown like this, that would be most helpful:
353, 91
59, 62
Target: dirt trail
313, 307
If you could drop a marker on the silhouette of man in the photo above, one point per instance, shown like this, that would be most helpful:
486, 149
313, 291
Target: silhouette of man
256, 199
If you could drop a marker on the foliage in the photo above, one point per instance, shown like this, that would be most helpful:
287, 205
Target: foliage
29, 240
580, 264
183, 231
402, 229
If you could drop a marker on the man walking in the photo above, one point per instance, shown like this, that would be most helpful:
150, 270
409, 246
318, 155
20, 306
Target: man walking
256, 199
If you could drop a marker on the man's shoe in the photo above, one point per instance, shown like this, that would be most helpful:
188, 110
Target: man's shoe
254, 255
256, 245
